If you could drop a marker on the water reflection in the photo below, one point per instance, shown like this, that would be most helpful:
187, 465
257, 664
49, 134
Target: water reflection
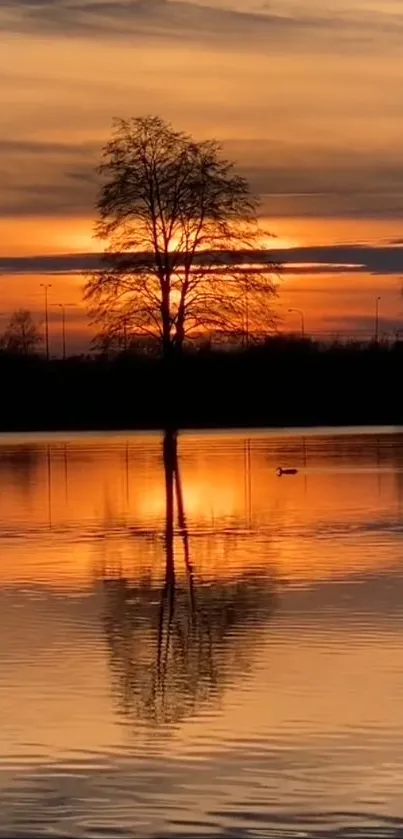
19, 465
196, 647
174, 646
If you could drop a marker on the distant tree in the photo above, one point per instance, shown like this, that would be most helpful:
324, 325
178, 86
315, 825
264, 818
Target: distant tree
180, 226
22, 335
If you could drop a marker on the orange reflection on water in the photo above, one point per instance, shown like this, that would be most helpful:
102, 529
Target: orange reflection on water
62, 495
169, 616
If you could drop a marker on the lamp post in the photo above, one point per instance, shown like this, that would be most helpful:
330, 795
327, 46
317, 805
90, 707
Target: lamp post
377, 319
46, 286
301, 314
63, 307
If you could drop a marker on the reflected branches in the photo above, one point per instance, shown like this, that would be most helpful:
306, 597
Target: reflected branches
175, 644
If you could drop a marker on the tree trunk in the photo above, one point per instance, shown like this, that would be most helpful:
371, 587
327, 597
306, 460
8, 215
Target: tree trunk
179, 339
167, 604
170, 459
166, 324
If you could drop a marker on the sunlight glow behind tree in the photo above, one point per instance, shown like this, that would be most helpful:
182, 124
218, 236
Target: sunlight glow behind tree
181, 230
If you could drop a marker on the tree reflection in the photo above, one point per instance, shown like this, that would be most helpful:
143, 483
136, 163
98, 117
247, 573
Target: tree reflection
175, 645
18, 465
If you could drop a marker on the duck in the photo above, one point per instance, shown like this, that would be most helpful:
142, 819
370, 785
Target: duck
281, 471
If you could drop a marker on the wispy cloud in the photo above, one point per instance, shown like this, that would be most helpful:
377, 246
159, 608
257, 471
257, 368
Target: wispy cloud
141, 17
327, 124
42, 177
47, 177
216, 20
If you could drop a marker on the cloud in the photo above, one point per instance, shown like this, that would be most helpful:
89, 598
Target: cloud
141, 17
278, 95
46, 149
40, 177
57, 264
324, 181
366, 258
197, 20
43, 178
324, 259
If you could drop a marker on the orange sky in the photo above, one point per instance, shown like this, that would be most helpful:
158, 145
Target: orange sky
333, 303
307, 99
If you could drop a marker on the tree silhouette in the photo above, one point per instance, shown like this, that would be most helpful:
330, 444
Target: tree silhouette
181, 228
22, 335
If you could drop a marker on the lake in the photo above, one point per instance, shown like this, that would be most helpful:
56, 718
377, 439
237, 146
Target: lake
192, 646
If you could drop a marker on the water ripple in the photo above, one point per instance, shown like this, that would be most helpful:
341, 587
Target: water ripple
194, 647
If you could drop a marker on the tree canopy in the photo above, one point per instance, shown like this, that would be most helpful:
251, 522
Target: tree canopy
181, 232
22, 336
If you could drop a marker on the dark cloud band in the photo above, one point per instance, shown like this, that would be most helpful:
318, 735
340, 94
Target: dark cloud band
324, 259
60, 178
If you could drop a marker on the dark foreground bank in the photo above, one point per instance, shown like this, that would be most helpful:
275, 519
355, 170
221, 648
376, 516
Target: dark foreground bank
283, 383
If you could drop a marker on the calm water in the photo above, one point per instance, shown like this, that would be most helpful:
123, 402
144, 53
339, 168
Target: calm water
196, 647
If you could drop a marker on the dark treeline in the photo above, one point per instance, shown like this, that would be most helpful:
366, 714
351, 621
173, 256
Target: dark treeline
281, 383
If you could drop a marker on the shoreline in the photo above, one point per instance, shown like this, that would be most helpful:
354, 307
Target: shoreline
320, 430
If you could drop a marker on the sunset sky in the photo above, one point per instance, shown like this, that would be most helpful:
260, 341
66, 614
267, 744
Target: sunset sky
307, 97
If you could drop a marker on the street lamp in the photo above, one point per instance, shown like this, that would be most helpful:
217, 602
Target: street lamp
377, 318
46, 286
301, 314
63, 307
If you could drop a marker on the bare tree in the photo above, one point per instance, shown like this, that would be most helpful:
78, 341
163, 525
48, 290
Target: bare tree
22, 335
181, 230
